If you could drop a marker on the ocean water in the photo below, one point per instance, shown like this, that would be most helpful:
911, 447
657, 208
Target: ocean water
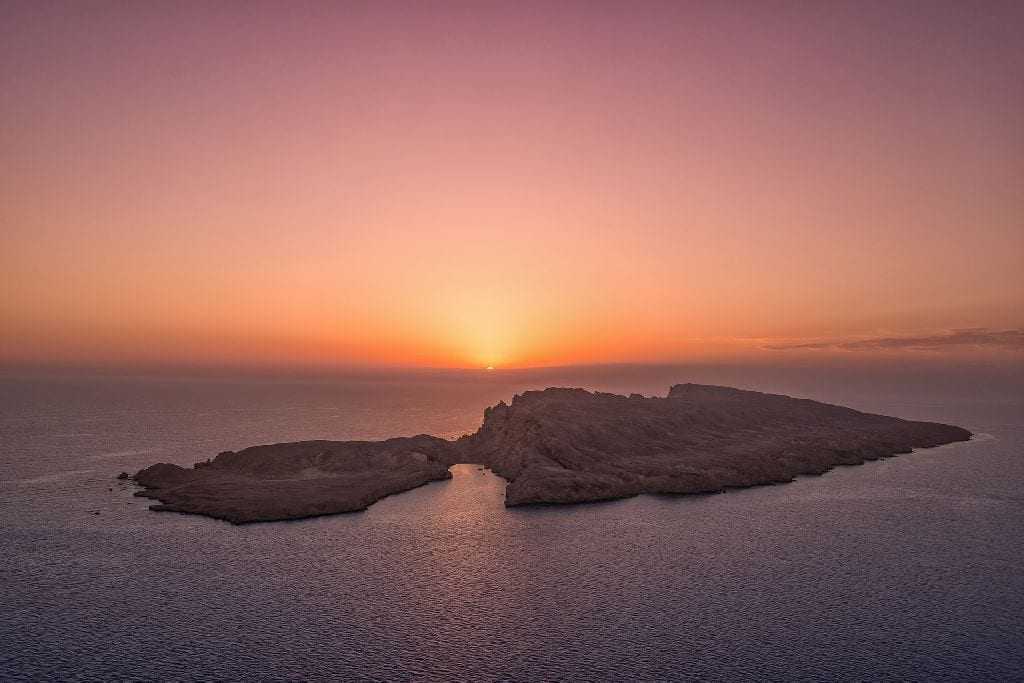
911, 568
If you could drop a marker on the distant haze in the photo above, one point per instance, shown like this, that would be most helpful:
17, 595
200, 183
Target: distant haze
513, 184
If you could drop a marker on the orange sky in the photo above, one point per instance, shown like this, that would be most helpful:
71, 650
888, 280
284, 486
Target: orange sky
509, 184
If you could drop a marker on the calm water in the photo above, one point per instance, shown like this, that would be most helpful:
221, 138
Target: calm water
911, 568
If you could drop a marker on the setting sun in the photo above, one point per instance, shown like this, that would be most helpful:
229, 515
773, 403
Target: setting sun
442, 205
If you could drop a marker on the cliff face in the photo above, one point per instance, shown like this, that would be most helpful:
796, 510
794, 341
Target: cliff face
555, 446
571, 445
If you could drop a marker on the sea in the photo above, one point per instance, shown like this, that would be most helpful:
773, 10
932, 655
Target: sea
910, 568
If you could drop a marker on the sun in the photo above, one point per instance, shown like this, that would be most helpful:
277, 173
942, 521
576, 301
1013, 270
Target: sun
490, 367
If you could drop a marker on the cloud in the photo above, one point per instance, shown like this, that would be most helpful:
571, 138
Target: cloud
809, 345
977, 336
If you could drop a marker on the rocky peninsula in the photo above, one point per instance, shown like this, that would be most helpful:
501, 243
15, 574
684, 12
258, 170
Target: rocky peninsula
555, 446
296, 480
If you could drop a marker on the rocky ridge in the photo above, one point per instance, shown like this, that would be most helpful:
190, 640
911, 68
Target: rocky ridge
571, 445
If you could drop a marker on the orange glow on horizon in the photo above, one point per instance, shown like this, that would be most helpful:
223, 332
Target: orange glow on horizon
482, 186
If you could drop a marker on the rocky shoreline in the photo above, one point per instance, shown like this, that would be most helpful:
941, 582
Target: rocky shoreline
554, 446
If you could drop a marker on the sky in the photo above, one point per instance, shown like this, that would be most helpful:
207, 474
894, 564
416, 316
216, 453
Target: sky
510, 184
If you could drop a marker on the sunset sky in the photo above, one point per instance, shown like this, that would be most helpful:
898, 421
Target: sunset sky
464, 184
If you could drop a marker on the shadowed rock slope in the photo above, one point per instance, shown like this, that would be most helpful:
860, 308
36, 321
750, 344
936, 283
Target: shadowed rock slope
555, 446
570, 445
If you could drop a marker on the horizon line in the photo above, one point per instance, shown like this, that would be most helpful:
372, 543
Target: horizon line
369, 371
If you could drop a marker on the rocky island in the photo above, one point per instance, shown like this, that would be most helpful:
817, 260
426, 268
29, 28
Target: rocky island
571, 445
555, 446
296, 480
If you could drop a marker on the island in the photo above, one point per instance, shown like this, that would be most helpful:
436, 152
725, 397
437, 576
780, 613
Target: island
296, 480
554, 446
574, 446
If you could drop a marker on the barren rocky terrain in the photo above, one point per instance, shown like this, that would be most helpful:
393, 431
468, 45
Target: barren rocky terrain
296, 480
555, 446
571, 445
